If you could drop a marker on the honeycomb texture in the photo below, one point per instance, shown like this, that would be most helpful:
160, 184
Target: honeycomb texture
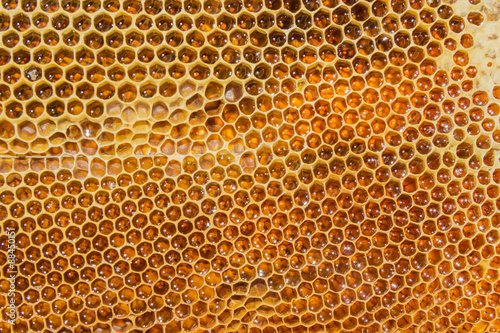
247, 166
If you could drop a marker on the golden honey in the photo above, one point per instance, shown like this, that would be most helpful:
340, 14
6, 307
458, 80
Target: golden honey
248, 166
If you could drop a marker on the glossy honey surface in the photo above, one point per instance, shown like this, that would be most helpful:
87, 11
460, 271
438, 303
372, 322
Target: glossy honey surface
248, 166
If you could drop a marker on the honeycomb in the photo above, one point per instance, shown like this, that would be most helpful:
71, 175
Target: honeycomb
247, 166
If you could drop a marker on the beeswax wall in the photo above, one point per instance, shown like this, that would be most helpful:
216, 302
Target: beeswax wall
249, 166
